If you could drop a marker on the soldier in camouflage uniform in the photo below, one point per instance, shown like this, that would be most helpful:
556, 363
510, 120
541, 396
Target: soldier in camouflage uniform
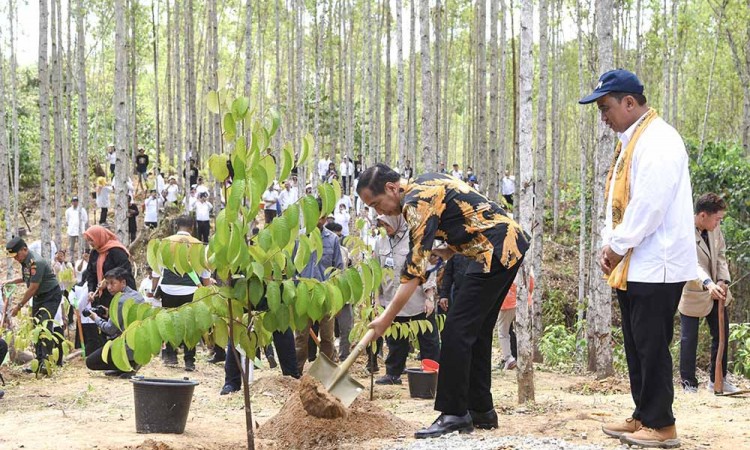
42, 285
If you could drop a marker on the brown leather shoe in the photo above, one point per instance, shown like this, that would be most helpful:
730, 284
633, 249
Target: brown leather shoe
665, 437
617, 429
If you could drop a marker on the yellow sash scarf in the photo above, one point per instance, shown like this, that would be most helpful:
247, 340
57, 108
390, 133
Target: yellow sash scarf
618, 278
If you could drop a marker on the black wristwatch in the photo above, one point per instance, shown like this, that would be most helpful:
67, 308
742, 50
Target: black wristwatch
706, 282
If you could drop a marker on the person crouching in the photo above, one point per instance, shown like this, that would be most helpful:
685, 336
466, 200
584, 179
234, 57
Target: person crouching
116, 283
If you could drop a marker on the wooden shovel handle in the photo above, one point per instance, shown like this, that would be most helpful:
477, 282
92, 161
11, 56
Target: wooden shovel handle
719, 369
344, 366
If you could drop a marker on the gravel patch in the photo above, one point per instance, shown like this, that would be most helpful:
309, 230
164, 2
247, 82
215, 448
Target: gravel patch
455, 441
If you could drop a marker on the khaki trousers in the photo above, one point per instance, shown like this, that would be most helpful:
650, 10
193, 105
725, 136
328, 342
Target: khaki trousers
326, 341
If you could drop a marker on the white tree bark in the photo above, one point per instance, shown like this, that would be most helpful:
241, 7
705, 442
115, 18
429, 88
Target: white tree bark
121, 119
248, 87
14, 115
4, 163
525, 373
540, 182
411, 133
177, 67
600, 305
155, 37
481, 144
502, 94
583, 179
494, 142
427, 135
400, 117
44, 144
59, 196
83, 123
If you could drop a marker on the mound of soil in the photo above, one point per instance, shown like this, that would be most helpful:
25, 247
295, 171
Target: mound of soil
276, 386
293, 427
150, 444
318, 402
607, 386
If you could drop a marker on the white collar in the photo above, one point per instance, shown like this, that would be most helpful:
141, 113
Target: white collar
626, 136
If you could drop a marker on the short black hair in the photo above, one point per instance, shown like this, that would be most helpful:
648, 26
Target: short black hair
375, 178
639, 98
255, 231
710, 203
184, 222
118, 273
333, 226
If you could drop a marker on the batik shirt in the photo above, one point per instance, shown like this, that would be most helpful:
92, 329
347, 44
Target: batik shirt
439, 206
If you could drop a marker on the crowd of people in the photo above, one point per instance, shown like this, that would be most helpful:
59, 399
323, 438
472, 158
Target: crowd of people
451, 251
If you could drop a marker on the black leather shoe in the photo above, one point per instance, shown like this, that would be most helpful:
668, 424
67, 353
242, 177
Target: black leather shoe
446, 424
484, 421
228, 389
388, 379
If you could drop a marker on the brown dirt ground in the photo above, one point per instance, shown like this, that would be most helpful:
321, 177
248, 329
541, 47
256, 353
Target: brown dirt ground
89, 410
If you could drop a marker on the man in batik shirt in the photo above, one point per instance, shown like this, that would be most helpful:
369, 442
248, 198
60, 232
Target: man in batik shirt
438, 206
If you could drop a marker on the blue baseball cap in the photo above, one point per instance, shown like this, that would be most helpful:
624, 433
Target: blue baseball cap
618, 80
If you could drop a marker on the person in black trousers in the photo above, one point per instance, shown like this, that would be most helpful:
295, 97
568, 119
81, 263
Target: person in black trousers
132, 215
175, 290
440, 206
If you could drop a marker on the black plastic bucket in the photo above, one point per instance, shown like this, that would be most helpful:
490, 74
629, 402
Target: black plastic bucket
162, 405
422, 384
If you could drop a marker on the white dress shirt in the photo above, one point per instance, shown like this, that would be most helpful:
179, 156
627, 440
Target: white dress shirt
509, 186
151, 210
270, 197
203, 211
74, 220
323, 167
172, 191
287, 197
658, 223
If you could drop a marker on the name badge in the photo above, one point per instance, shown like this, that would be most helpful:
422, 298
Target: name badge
390, 263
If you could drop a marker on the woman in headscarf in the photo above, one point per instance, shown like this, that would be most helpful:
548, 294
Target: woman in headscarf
107, 252
391, 250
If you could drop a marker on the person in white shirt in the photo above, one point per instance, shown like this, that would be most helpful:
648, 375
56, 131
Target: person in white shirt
161, 185
201, 188
203, 217
342, 218
457, 173
648, 249
346, 171
287, 196
323, 168
81, 265
102, 198
508, 188
172, 190
112, 159
190, 200
151, 210
408, 172
270, 197
77, 220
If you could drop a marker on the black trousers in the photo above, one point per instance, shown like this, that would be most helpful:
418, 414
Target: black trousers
648, 311
93, 338
173, 301
284, 343
398, 349
509, 199
94, 361
466, 355
689, 345
3, 350
269, 214
44, 309
204, 228
103, 215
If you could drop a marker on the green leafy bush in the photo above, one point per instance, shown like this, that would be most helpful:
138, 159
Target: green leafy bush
739, 338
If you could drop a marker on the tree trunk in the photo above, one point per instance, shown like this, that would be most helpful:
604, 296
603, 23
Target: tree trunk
179, 136
674, 66
481, 146
4, 164
121, 119
248, 87
493, 175
557, 149
540, 183
665, 61
132, 90
388, 101
600, 306
411, 134
400, 117
438, 64
583, 179
427, 134
83, 123
525, 373
742, 65
59, 196
14, 115
68, 105
711, 79
156, 82
44, 144
502, 94
191, 122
